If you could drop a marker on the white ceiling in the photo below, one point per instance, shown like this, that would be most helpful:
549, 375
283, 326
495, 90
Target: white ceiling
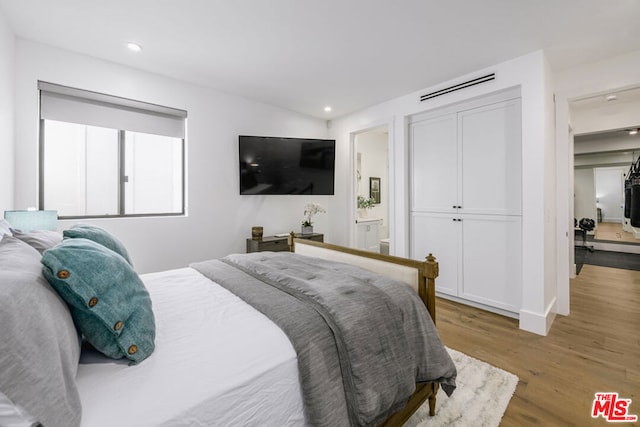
625, 104
302, 55
599, 101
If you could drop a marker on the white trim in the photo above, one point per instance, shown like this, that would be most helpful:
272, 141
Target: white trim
479, 305
565, 239
538, 323
351, 204
614, 74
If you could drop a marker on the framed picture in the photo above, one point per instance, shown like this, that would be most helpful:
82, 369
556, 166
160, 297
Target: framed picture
374, 189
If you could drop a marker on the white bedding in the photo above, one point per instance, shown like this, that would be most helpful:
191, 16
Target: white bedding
217, 362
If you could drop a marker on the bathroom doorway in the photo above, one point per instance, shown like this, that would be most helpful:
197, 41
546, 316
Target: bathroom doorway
371, 149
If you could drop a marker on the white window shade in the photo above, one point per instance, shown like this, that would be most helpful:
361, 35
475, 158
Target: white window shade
72, 105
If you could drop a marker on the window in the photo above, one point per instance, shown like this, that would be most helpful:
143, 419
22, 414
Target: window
104, 156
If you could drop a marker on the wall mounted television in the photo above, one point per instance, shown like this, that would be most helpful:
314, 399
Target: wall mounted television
273, 165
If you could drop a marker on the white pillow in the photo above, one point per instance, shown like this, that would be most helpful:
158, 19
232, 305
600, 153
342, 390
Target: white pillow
5, 228
39, 344
12, 415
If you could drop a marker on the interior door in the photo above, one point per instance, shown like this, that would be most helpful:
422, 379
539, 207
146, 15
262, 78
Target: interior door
609, 183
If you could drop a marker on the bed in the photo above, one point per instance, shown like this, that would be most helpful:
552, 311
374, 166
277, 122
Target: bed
215, 359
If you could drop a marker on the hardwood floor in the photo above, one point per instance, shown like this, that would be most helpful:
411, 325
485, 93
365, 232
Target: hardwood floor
611, 231
594, 349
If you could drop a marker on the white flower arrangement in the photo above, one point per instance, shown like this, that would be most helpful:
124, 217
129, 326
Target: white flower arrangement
310, 210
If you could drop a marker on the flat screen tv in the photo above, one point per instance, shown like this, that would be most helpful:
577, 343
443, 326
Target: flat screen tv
272, 165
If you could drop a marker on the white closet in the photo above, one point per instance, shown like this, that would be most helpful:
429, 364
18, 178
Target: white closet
466, 204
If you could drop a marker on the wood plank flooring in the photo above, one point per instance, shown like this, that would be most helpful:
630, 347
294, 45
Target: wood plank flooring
611, 231
594, 349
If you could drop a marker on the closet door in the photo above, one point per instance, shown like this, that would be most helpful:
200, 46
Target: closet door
491, 260
490, 159
438, 234
434, 164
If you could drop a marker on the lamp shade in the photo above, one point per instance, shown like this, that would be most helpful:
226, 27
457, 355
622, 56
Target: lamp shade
26, 220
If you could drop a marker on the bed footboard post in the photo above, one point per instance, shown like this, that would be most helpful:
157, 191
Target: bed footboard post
432, 398
431, 272
290, 242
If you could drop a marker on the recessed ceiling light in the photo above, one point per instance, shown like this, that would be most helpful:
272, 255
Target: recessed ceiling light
611, 97
327, 109
633, 131
134, 47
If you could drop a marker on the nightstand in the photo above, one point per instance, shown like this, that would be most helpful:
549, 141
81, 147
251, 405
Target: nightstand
278, 243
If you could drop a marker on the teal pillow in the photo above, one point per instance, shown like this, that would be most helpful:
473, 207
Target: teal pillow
98, 235
108, 302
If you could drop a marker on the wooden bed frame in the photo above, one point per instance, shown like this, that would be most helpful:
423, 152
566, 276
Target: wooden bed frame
420, 275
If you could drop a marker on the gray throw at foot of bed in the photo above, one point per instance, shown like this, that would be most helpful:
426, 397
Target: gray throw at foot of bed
362, 340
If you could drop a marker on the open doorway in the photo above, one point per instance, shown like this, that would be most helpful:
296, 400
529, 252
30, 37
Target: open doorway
371, 149
606, 144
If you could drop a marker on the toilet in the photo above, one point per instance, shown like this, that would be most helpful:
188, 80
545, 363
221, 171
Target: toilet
384, 246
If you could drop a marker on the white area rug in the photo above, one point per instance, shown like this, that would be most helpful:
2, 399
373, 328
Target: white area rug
480, 399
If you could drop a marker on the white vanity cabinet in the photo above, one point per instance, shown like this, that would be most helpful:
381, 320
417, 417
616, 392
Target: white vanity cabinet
368, 234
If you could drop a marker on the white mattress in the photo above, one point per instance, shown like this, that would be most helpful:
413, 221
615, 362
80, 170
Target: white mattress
217, 362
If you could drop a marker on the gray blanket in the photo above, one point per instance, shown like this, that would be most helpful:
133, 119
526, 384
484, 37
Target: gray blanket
362, 340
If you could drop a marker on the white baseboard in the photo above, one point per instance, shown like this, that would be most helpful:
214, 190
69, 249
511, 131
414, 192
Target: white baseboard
530, 321
477, 305
538, 323
616, 220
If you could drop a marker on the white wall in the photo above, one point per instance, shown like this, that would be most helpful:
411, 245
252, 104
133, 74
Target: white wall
607, 159
608, 142
6, 115
218, 219
529, 72
612, 115
585, 194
